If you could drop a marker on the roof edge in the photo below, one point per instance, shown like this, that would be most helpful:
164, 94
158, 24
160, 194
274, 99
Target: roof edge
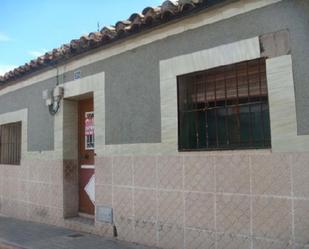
137, 23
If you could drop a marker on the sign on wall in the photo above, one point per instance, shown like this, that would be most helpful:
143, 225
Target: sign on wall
89, 130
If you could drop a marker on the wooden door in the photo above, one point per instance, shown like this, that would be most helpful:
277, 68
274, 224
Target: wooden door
86, 156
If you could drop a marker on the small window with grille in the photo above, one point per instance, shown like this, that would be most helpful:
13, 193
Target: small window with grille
224, 108
10, 143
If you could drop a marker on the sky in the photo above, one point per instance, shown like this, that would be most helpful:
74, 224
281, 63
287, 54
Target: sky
29, 28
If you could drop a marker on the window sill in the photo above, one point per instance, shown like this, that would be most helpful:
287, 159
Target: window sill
9, 165
228, 151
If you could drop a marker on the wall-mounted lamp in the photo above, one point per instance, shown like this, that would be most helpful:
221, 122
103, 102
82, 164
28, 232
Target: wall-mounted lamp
52, 99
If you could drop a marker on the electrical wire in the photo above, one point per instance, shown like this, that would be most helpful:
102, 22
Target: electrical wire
53, 110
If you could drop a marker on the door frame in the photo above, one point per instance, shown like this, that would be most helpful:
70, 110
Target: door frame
66, 131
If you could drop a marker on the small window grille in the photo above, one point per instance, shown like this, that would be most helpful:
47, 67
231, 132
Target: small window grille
10, 143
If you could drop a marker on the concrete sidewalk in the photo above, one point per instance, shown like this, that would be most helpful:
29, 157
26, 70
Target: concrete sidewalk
17, 234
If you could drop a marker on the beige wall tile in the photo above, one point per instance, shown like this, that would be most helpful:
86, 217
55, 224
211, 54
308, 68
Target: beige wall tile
123, 203
170, 207
300, 169
103, 170
272, 218
171, 237
44, 193
70, 200
10, 188
122, 171
269, 244
22, 191
170, 172
145, 205
199, 173
199, 239
125, 229
12, 208
232, 174
301, 211
34, 171
199, 211
145, 233
300, 246
24, 171
271, 174
57, 172
55, 216
145, 171
21, 209
56, 196
233, 214
43, 214
103, 195
34, 192
225, 241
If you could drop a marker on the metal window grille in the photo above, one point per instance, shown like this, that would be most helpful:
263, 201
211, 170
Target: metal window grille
10, 143
224, 108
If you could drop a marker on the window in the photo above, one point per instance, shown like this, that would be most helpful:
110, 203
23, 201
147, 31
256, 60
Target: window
10, 143
224, 108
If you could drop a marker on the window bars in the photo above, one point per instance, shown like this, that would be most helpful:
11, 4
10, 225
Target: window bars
224, 108
10, 143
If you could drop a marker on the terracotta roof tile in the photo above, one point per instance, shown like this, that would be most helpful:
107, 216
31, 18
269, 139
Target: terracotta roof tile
137, 22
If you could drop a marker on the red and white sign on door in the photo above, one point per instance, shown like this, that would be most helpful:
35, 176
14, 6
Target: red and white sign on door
89, 130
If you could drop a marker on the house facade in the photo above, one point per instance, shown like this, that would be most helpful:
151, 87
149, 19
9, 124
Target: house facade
186, 126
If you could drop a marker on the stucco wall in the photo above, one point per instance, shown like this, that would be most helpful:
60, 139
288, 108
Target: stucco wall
40, 123
132, 79
132, 86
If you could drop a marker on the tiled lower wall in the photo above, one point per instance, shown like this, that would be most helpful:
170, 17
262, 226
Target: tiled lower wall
220, 200
226, 200
32, 191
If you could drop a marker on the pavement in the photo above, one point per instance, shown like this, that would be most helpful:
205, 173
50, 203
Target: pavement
18, 234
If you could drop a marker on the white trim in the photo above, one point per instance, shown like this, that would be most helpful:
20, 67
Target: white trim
87, 166
91, 84
208, 17
169, 70
282, 107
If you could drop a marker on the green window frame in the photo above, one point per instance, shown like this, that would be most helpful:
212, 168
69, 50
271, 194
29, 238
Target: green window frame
224, 108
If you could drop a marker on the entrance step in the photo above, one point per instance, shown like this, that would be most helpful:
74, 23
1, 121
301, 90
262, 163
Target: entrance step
87, 224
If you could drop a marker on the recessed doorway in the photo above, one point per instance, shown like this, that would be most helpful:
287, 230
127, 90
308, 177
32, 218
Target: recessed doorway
86, 153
